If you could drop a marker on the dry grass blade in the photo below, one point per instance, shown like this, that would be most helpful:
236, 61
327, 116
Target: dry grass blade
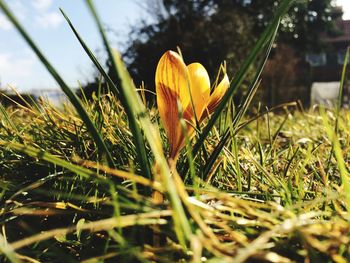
121, 174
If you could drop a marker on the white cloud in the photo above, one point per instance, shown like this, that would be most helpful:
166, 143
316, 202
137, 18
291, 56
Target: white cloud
19, 9
49, 20
42, 5
45, 18
14, 67
40, 14
5, 24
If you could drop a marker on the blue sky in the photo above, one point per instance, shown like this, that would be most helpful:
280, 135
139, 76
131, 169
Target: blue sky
20, 68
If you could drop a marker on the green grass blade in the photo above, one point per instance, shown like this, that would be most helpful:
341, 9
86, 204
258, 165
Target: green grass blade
341, 88
138, 139
182, 225
242, 110
4, 116
7, 118
69, 93
37, 153
8, 251
75, 168
91, 55
339, 156
261, 43
217, 150
126, 101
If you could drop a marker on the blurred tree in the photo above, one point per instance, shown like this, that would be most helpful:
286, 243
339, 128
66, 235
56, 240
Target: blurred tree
210, 31
301, 28
205, 33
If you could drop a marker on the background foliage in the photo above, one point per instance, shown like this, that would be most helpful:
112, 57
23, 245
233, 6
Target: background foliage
212, 31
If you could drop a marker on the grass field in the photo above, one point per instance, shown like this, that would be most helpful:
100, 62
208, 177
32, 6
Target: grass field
275, 192
92, 181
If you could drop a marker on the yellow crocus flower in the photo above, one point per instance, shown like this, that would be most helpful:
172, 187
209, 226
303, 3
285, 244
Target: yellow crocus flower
176, 83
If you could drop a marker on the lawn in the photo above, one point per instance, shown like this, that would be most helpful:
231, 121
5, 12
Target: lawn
274, 193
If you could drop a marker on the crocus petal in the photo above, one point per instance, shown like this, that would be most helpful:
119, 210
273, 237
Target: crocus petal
172, 73
172, 88
217, 95
199, 86
169, 115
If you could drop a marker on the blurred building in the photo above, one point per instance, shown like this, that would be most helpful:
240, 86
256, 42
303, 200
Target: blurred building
326, 67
